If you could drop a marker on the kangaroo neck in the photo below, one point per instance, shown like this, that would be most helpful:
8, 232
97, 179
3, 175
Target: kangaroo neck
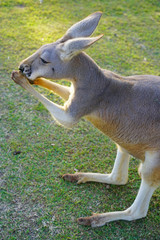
96, 83
87, 74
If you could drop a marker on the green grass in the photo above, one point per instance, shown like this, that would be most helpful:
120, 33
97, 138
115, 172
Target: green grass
35, 202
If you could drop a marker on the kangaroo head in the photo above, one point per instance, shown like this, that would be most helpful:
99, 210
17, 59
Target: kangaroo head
53, 60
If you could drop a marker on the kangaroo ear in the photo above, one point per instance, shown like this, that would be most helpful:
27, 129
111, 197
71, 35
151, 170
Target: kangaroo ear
71, 48
85, 27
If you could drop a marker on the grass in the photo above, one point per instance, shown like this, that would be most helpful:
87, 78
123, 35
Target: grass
35, 202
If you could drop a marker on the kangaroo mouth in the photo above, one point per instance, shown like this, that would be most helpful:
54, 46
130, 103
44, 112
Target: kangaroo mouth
26, 74
31, 81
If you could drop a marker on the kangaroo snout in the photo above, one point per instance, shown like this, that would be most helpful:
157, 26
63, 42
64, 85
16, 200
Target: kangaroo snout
25, 69
21, 68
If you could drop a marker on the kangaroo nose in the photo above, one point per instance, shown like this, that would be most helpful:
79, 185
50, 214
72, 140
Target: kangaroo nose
21, 68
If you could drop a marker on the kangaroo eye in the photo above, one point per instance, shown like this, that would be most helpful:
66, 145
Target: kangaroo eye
43, 60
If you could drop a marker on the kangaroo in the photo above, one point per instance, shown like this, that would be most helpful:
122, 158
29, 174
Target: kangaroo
126, 109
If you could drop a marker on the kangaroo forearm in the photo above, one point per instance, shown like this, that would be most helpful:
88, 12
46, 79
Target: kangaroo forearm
59, 113
62, 91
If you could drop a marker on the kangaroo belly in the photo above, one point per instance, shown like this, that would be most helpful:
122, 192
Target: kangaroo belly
126, 138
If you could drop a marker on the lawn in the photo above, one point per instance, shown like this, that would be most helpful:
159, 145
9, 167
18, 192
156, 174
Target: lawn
36, 203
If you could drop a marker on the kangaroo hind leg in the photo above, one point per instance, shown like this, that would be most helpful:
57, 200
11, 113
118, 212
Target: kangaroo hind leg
118, 176
150, 174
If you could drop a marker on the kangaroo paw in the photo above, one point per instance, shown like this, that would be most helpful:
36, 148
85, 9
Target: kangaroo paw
71, 177
85, 221
96, 220
77, 177
19, 78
